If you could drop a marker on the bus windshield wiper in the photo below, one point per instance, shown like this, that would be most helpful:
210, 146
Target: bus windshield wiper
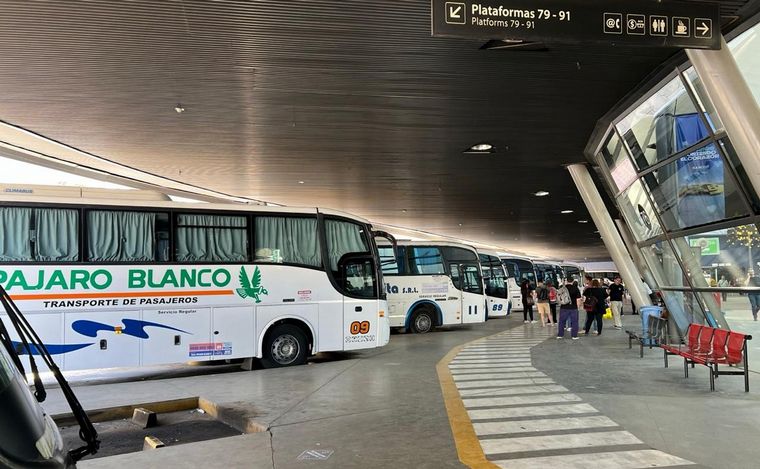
31, 344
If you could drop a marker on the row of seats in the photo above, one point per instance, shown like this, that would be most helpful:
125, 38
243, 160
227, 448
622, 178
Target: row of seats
712, 347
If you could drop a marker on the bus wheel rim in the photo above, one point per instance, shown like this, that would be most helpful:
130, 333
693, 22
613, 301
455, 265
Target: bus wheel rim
422, 322
285, 349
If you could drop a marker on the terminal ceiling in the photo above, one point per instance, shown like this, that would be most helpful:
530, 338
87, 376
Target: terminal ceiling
352, 98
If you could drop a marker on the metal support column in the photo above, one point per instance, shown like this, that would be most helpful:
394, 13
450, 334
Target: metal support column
734, 103
610, 235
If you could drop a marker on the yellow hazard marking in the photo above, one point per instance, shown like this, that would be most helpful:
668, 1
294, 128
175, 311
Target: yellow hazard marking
468, 446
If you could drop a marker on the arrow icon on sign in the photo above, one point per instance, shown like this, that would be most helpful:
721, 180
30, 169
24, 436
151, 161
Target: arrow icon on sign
703, 29
455, 12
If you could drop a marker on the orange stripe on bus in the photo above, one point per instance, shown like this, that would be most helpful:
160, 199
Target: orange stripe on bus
131, 294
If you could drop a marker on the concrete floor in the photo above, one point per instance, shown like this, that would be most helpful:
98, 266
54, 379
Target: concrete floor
384, 408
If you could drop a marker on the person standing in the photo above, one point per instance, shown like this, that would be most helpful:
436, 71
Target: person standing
594, 304
526, 291
568, 297
552, 301
616, 301
542, 303
754, 296
724, 283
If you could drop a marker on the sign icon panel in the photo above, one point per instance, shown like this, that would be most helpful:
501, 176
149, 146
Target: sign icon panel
681, 26
636, 24
658, 25
703, 28
455, 12
613, 23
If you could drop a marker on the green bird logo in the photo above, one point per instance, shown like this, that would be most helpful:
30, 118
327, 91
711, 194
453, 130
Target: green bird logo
251, 288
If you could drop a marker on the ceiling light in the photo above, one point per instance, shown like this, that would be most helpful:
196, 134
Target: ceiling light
566, 211
179, 108
301, 182
582, 221
403, 210
541, 194
481, 148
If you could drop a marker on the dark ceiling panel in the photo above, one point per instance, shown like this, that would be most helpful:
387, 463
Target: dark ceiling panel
352, 97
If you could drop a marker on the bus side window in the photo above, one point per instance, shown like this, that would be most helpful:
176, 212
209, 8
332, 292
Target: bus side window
388, 262
344, 237
211, 238
426, 260
40, 234
471, 280
122, 236
287, 240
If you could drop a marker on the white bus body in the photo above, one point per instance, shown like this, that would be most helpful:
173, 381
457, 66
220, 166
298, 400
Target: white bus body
518, 268
496, 285
125, 282
432, 283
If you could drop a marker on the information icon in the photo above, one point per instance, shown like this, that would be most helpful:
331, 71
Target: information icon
636, 24
681, 27
658, 25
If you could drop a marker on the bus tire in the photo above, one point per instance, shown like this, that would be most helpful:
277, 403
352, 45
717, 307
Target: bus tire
284, 345
422, 320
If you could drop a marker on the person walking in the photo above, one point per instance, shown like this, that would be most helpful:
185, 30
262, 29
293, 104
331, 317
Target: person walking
724, 283
594, 303
542, 303
616, 301
552, 300
526, 291
568, 297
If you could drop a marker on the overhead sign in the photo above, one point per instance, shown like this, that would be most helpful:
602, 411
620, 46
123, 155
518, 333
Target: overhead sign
709, 246
651, 23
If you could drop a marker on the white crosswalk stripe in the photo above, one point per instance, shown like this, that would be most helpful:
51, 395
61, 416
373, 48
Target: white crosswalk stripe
519, 413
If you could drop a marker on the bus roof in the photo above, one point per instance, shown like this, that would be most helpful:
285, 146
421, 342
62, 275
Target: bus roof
138, 198
402, 242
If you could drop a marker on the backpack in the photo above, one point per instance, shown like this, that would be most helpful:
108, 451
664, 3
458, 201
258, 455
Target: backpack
589, 304
542, 293
553, 295
563, 296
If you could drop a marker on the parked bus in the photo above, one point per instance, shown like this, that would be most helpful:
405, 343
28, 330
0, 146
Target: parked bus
519, 269
574, 272
127, 278
495, 282
432, 283
548, 271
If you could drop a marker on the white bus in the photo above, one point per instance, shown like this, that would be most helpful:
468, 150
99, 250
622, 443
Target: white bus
128, 278
518, 269
495, 282
432, 283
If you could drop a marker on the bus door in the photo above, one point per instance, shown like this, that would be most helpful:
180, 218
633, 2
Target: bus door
468, 281
358, 280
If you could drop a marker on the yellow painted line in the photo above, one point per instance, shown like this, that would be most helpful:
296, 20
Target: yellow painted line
468, 446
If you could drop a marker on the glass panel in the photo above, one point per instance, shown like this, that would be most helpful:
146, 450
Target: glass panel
663, 124
704, 102
425, 260
57, 235
344, 237
471, 277
746, 51
663, 264
211, 238
388, 262
512, 268
733, 159
290, 240
695, 189
638, 212
121, 236
458, 254
359, 278
526, 270
620, 166
684, 308
15, 234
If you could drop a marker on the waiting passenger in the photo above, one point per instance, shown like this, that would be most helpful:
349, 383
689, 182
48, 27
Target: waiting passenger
594, 303
568, 297
616, 301
552, 300
754, 296
542, 302
526, 289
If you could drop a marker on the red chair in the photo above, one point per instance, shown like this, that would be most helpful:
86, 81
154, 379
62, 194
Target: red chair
700, 352
718, 354
736, 353
692, 338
